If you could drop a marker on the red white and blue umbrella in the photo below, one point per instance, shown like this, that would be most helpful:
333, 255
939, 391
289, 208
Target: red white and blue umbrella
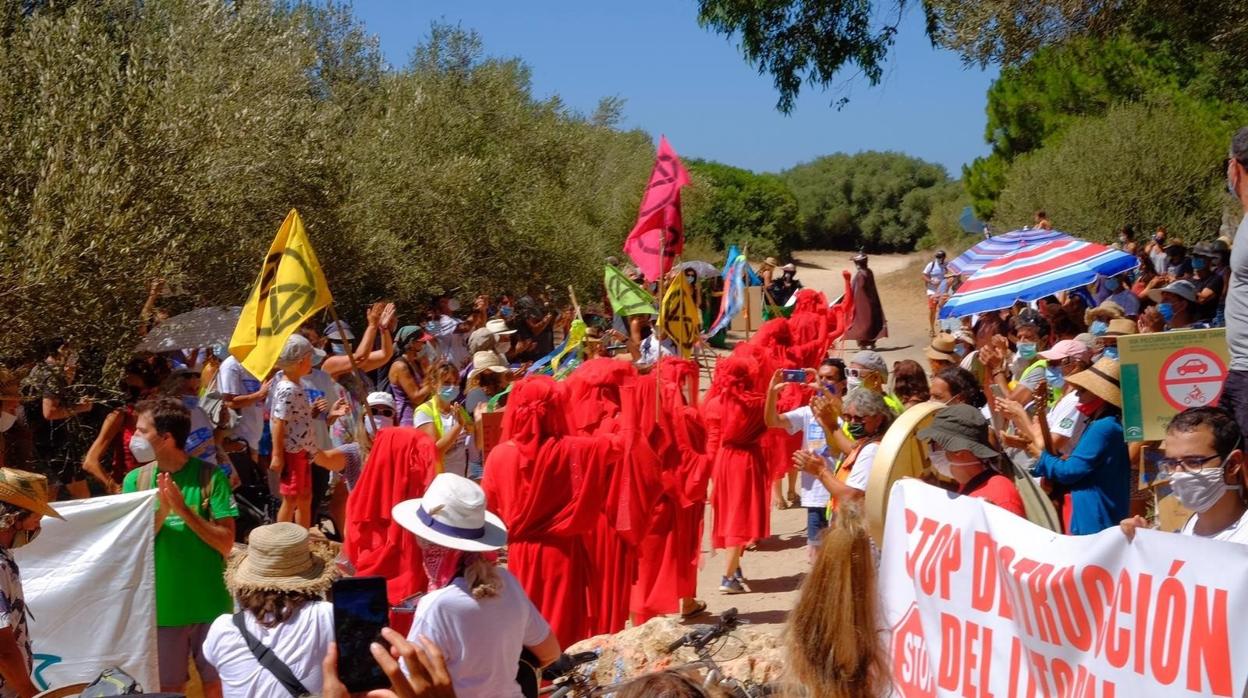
1033, 273
997, 246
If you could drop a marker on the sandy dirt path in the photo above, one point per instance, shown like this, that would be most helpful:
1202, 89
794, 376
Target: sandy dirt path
776, 569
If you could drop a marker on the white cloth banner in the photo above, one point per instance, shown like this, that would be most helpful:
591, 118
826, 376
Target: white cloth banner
90, 585
982, 603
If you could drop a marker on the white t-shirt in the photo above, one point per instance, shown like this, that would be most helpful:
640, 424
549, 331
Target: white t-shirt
316, 385
861, 472
451, 344
1235, 533
812, 491
199, 443
481, 639
301, 643
236, 380
290, 404
652, 350
935, 278
456, 458
1065, 420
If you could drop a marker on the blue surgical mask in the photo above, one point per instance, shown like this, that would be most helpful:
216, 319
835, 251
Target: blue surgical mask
1027, 350
1110, 352
1098, 327
1198, 263
1112, 285
505, 311
1166, 310
448, 393
1053, 374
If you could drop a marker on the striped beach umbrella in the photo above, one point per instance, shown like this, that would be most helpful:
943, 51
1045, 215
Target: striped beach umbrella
1033, 273
997, 246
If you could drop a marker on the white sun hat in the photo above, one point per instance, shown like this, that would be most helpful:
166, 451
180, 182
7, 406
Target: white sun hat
452, 514
499, 327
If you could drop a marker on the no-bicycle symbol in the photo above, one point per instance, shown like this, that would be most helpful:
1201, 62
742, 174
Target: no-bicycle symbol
1192, 377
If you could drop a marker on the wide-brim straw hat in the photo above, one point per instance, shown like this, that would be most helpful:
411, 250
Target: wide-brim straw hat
1106, 311
452, 514
283, 557
1121, 326
941, 348
26, 490
487, 361
771, 262
1101, 380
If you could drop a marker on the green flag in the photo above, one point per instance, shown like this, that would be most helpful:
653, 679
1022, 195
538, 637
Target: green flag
627, 298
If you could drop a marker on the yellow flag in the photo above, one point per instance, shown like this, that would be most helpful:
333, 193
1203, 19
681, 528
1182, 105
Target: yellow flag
290, 289
681, 320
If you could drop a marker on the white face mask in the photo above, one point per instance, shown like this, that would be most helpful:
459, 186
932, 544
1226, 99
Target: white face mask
940, 462
852, 382
7, 420
453, 305
1201, 490
379, 421
142, 450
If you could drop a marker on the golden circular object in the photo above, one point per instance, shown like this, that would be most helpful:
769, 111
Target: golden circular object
901, 454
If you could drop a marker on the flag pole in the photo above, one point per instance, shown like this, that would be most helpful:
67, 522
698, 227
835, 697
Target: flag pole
346, 343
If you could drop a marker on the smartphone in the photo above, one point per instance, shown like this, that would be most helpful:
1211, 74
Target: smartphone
793, 375
361, 610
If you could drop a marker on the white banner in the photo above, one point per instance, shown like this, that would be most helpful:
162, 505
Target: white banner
982, 603
90, 585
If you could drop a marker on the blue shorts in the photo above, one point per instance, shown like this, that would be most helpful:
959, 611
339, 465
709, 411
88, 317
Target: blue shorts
816, 521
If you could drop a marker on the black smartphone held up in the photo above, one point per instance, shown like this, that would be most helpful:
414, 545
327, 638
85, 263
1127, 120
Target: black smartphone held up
361, 610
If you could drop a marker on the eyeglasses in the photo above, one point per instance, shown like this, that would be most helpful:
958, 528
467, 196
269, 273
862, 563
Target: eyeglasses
381, 412
1189, 464
857, 418
859, 372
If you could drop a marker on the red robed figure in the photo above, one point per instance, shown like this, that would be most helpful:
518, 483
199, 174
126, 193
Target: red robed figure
400, 465
549, 489
659, 234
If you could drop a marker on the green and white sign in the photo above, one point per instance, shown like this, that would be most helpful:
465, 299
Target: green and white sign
1164, 373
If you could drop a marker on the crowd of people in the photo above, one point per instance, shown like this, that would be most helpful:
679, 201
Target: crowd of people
514, 509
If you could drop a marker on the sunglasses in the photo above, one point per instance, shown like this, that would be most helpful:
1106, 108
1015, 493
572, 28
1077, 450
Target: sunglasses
381, 412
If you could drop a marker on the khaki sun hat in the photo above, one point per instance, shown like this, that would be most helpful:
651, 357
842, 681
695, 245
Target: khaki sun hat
771, 262
1121, 326
1101, 380
26, 490
941, 348
1106, 311
282, 557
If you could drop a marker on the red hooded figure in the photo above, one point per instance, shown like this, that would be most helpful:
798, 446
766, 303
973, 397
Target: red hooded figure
549, 489
400, 466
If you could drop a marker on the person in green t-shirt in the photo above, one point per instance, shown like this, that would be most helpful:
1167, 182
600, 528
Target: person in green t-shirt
194, 535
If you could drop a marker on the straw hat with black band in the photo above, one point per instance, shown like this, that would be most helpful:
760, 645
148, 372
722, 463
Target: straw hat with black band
1101, 380
282, 557
941, 348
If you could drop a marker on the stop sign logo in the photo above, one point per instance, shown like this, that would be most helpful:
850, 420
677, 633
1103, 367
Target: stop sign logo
912, 671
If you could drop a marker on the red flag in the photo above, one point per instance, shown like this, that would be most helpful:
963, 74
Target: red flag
659, 235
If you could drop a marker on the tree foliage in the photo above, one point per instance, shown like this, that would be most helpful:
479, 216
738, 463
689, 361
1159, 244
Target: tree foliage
814, 41
1037, 100
875, 200
170, 137
728, 205
1143, 164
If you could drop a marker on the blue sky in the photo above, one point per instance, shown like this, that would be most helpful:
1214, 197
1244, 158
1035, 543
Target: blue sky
694, 86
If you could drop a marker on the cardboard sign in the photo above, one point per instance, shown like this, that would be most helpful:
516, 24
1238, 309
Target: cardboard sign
1164, 373
491, 431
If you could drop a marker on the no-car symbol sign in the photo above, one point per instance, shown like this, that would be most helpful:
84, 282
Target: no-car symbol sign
1192, 377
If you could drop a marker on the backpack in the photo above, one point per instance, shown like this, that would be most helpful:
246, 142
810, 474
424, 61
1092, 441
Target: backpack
146, 480
112, 682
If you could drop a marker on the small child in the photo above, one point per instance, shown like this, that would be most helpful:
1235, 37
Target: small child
294, 443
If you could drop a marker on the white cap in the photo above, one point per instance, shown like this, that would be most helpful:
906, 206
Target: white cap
379, 399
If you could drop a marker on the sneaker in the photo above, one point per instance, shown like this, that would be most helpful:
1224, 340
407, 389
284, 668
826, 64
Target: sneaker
739, 575
731, 585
